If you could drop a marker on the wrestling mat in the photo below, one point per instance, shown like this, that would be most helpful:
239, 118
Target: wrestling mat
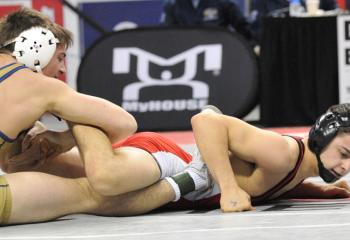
287, 219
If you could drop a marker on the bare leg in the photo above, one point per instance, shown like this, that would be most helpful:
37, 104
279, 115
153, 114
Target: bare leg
40, 197
114, 172
137, 202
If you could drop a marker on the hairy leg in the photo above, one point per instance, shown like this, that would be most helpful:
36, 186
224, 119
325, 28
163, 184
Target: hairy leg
129, 169
137, 202
40, 197
114, 172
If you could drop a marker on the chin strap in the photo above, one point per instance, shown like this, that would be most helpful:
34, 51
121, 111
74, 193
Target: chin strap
325, 174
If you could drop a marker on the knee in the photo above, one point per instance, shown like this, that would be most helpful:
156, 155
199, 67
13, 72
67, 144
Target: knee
107, 180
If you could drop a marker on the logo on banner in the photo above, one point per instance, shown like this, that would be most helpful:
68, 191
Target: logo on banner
164, 76
200, 90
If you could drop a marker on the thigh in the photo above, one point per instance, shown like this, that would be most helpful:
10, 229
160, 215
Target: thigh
68, 164
137, 168
41, 197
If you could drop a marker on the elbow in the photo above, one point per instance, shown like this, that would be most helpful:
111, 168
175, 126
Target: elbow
130, 125
204, 118
196, 119
133, 125
123, 128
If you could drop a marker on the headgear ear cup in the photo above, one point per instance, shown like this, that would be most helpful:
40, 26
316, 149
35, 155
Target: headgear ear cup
35, 47
321, 134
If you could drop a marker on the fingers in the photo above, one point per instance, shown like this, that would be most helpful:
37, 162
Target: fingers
342, 184
26, 156
37, 129
333, 191
236, 205
238, 209
33, 156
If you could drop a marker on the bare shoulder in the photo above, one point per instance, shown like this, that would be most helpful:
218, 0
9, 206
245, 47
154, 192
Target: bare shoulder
267, 149
32, 79
37, 84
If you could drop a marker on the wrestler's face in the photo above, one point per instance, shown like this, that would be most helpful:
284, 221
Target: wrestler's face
56, 66
336, 157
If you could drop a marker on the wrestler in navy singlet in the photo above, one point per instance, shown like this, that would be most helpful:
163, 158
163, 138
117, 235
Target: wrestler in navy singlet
5, 72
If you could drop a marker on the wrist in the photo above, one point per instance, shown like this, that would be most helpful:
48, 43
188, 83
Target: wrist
228, 186
68, 140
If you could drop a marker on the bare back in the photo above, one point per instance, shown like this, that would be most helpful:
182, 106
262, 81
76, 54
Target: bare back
257, 180
19, 109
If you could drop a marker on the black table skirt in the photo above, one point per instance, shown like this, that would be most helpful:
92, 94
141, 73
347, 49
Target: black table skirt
299, 69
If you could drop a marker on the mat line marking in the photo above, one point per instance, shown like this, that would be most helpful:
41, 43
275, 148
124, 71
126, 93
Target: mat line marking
173, 232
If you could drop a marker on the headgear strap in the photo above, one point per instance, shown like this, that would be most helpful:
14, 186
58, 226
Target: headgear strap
321, 134
34, 47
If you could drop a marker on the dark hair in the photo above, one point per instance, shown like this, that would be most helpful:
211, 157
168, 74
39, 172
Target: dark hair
344, 110
12, 25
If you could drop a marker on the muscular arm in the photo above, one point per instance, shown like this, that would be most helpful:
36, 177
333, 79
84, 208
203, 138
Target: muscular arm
80, 108
339, 189
217, 134
212, 141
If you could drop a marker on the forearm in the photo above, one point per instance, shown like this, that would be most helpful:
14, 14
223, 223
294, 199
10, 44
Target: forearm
93, 144
339, 189
113, 120
80, 108
212, 140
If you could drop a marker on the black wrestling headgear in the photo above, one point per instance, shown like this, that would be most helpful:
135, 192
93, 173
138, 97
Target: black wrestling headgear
321, 134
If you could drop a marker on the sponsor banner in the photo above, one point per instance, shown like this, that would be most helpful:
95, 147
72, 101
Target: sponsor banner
164, 76
344, 58
118, 15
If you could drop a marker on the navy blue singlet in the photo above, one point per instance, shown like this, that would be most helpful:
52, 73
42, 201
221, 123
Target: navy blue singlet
5, 72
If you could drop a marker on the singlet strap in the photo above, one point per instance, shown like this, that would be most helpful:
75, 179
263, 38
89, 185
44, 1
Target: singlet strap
5, 137
10, 69
7, 65
290, 176
2, 142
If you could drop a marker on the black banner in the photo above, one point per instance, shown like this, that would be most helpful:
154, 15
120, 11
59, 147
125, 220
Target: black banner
164, 76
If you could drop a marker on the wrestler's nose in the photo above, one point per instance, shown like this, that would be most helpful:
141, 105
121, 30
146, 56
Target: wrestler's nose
345, 167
